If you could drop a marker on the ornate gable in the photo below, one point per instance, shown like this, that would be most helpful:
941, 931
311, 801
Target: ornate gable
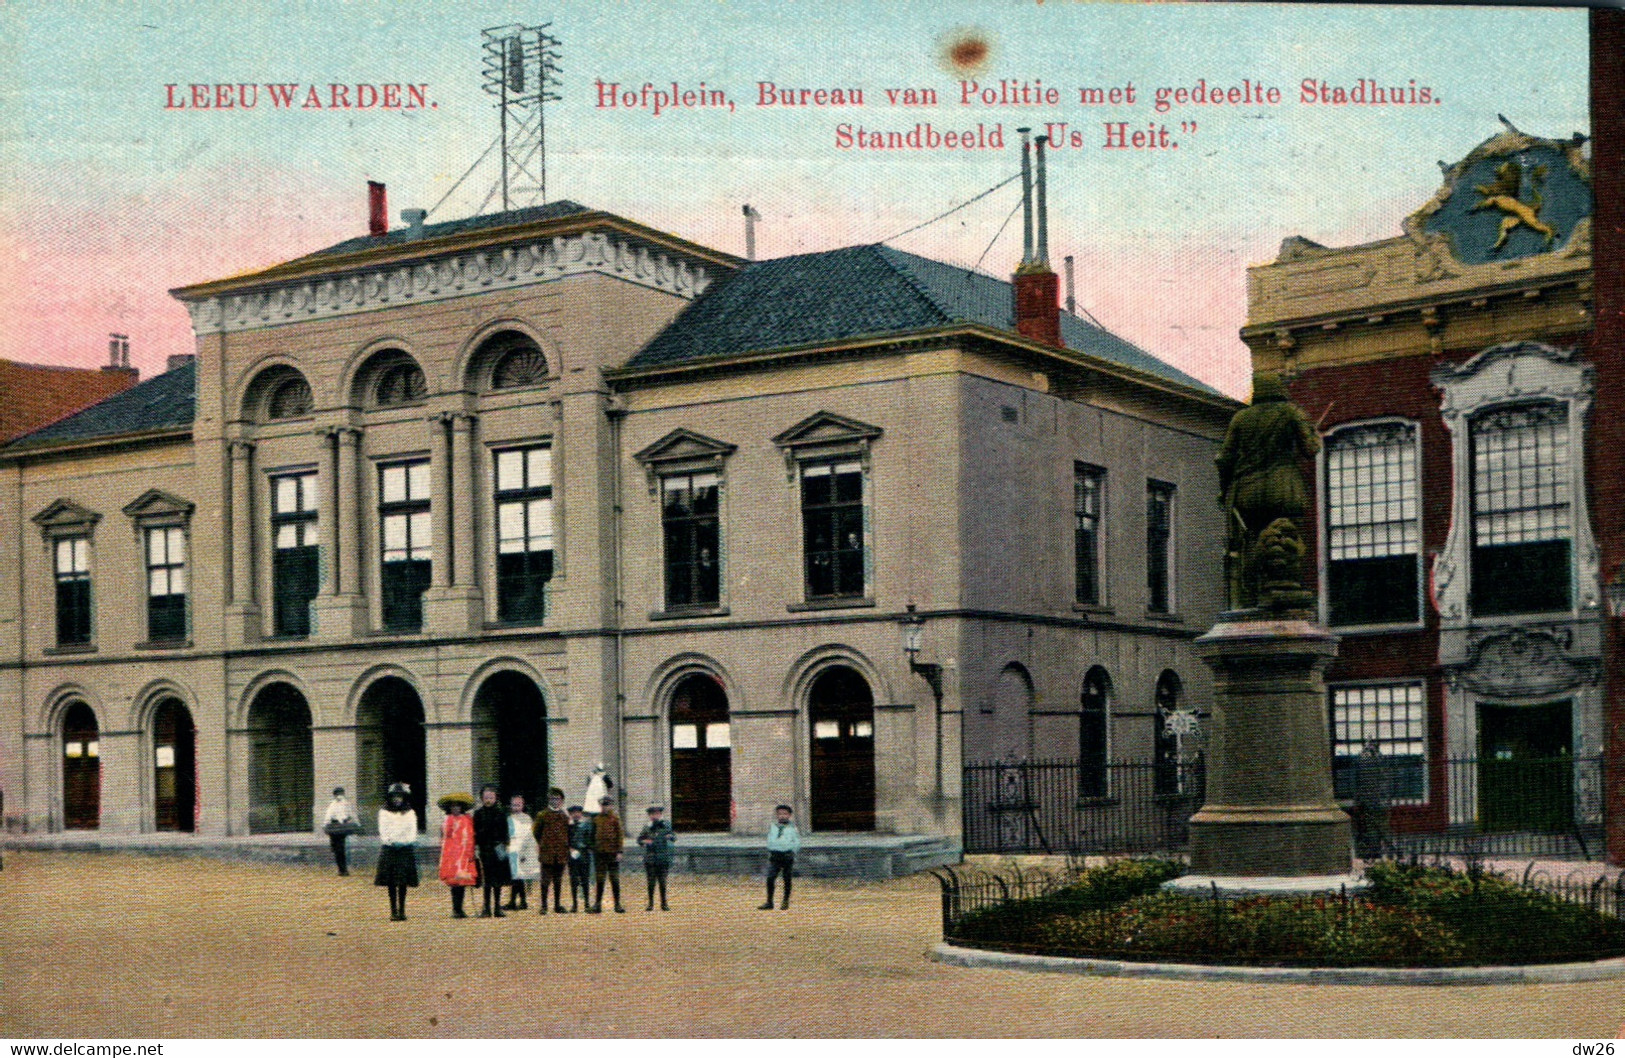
1513, 196
156, 506
66, 518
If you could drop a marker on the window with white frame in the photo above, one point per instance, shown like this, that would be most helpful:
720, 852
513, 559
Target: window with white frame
691, 528
1159, 546
295, 552
1391, 719
72, 555
1088, 495
403, 514
166, 583
832, 529
1373, 528
524, 499
1521, 518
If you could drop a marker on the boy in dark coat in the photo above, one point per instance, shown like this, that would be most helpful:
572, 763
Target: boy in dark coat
657, 839
552, 832
491, 842
609, 839
581, 849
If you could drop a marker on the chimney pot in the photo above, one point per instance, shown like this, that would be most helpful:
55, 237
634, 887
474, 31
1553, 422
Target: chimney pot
414, 219
377, 209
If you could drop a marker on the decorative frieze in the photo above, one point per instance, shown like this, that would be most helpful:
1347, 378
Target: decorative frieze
454, 276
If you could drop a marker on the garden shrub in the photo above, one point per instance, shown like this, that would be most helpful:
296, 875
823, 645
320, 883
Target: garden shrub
1409, 916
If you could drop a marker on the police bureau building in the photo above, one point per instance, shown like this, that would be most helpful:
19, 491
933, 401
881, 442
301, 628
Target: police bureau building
497, 499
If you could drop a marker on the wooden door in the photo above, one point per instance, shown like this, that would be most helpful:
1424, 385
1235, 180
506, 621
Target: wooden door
701, 756
842, 721
174, 767
81, 769
1525, 774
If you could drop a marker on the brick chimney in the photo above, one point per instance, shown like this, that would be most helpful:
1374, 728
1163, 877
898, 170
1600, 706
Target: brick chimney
1036, 287
118, 357
377, 209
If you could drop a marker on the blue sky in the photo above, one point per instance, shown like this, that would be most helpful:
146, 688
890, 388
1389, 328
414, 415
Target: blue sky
110, 198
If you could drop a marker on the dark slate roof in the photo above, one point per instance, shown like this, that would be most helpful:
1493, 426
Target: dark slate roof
861, 292
529, 215
163, 402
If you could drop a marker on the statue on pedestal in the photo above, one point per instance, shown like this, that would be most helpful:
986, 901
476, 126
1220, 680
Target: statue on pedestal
1263, 490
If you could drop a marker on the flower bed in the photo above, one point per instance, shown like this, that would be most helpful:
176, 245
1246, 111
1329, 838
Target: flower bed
1410, 916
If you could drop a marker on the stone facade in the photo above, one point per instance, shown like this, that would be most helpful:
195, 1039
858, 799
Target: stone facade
329, 373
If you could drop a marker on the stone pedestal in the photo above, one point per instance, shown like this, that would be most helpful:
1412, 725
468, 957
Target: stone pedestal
1271, 822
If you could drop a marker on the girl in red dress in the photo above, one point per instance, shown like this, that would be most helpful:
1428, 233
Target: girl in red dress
457, 849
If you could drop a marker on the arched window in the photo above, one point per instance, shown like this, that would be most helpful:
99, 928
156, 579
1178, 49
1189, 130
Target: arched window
516, 360
1094, 709
401, 384
291, 399
1165, 748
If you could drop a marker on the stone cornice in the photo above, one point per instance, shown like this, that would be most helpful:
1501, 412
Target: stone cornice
1314, 286
366, 289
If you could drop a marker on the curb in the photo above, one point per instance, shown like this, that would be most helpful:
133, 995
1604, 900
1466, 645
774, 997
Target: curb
1553, 973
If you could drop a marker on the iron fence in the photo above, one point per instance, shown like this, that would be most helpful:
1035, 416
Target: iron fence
1063, 807
1040, 911
1454, 807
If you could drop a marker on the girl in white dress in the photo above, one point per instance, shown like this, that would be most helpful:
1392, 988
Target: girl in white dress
524, 859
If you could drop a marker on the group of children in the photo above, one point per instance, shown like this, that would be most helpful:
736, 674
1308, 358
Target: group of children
495, 849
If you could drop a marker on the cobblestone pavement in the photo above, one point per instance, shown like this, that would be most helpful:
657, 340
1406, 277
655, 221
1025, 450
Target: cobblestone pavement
131, 946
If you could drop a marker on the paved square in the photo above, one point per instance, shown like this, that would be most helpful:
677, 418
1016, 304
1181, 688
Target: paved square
133, 946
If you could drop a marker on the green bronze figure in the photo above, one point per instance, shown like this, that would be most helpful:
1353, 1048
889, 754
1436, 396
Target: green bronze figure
1263, 491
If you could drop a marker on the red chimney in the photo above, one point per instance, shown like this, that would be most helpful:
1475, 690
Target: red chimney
377, 209
1036, 287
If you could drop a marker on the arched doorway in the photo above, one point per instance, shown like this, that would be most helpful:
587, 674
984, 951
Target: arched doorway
841, 712
174, 767
1094, 709
280, 768
510, 737
1012, 734
390, 745
701, 755
1167, 741
81, 768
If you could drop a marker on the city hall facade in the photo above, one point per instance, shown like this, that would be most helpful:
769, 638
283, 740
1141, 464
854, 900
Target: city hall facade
502, 499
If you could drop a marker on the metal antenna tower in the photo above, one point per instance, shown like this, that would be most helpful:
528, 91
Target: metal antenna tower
521, 69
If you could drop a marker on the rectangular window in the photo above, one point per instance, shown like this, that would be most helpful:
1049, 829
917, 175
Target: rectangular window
1088, 492
832, 529
524, 499
1373, 531
1159, 542
403, 514
1390, 719
1521, 519
166, 584
295, 558
72, 590
690, 524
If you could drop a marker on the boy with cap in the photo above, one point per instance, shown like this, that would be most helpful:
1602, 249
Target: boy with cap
552, 830
581, 846
783, 842
341, 822
609, 839
657, 839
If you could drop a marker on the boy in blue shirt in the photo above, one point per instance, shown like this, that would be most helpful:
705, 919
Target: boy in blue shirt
783, 842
